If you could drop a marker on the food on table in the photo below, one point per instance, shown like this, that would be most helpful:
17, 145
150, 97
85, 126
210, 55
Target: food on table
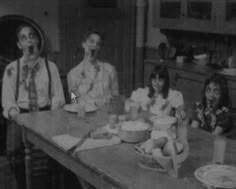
112, 129
151, 144
134, 126
162, 151
113, 118
74, 107
160, 142
179, 146
169, 149
157, 152
122, 118
163, 144
101, 133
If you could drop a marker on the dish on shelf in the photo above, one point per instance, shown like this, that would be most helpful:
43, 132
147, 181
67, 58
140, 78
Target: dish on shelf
228, 71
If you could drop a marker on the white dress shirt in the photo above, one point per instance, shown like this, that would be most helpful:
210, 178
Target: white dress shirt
41, 80
157, 105
93, 84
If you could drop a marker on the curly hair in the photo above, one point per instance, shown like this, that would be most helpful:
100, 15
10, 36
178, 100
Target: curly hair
224, 91
163, 73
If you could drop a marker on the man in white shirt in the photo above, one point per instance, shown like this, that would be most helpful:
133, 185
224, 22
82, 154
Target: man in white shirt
31, 83
16, 79
93, 81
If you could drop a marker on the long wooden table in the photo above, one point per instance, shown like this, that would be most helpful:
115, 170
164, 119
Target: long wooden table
115, 166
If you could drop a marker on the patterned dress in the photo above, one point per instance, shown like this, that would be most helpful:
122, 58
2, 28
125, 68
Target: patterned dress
209, 119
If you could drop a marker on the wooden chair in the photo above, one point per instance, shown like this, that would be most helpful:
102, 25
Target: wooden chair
7, 178
232, 133
15, 154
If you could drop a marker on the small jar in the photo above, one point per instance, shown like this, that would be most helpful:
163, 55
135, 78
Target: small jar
112, 120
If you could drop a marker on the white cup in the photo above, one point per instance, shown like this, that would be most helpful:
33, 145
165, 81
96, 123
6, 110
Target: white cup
112, 120
81, 111
180, 59
219, 147
133, 113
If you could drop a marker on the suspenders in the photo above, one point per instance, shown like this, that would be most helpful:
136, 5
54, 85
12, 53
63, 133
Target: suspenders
18, 80
49, 80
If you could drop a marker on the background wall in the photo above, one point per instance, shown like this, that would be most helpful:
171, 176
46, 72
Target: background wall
154, 36
43, 12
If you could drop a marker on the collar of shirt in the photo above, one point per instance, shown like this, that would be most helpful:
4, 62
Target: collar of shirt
30, 64
87, 64
26, 68
90, 70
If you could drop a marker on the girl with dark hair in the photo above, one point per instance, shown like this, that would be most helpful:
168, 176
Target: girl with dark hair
214, 112
158, 98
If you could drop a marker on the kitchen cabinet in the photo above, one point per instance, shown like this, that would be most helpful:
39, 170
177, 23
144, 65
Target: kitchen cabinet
228, 16
211, 16
190, 84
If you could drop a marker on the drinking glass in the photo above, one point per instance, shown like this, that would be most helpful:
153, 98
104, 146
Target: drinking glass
133, 113
81, 111
219, 147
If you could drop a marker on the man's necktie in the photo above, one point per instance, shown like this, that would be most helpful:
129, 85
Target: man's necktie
33, 96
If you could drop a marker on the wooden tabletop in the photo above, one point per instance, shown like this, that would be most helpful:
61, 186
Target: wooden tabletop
119, 163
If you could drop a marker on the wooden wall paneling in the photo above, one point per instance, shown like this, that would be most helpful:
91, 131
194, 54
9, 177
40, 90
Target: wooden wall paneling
118, 26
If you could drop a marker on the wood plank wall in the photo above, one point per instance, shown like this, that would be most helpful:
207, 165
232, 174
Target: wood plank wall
117, 23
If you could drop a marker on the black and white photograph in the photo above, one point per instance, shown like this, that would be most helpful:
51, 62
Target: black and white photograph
118, 94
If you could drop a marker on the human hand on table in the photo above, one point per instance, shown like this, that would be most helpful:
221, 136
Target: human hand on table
180, 113
13, 112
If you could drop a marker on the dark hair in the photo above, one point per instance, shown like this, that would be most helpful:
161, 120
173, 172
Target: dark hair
26, 26
93, 31
224, 92
162, 72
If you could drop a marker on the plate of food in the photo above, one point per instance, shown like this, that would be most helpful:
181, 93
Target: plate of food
218, 176
74, 108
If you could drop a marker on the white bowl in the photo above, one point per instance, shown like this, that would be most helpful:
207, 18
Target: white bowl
134, 131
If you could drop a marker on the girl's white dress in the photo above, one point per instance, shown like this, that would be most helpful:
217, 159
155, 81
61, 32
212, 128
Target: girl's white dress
157, 104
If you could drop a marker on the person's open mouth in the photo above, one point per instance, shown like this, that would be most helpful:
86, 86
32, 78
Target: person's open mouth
93, 52
31, 50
